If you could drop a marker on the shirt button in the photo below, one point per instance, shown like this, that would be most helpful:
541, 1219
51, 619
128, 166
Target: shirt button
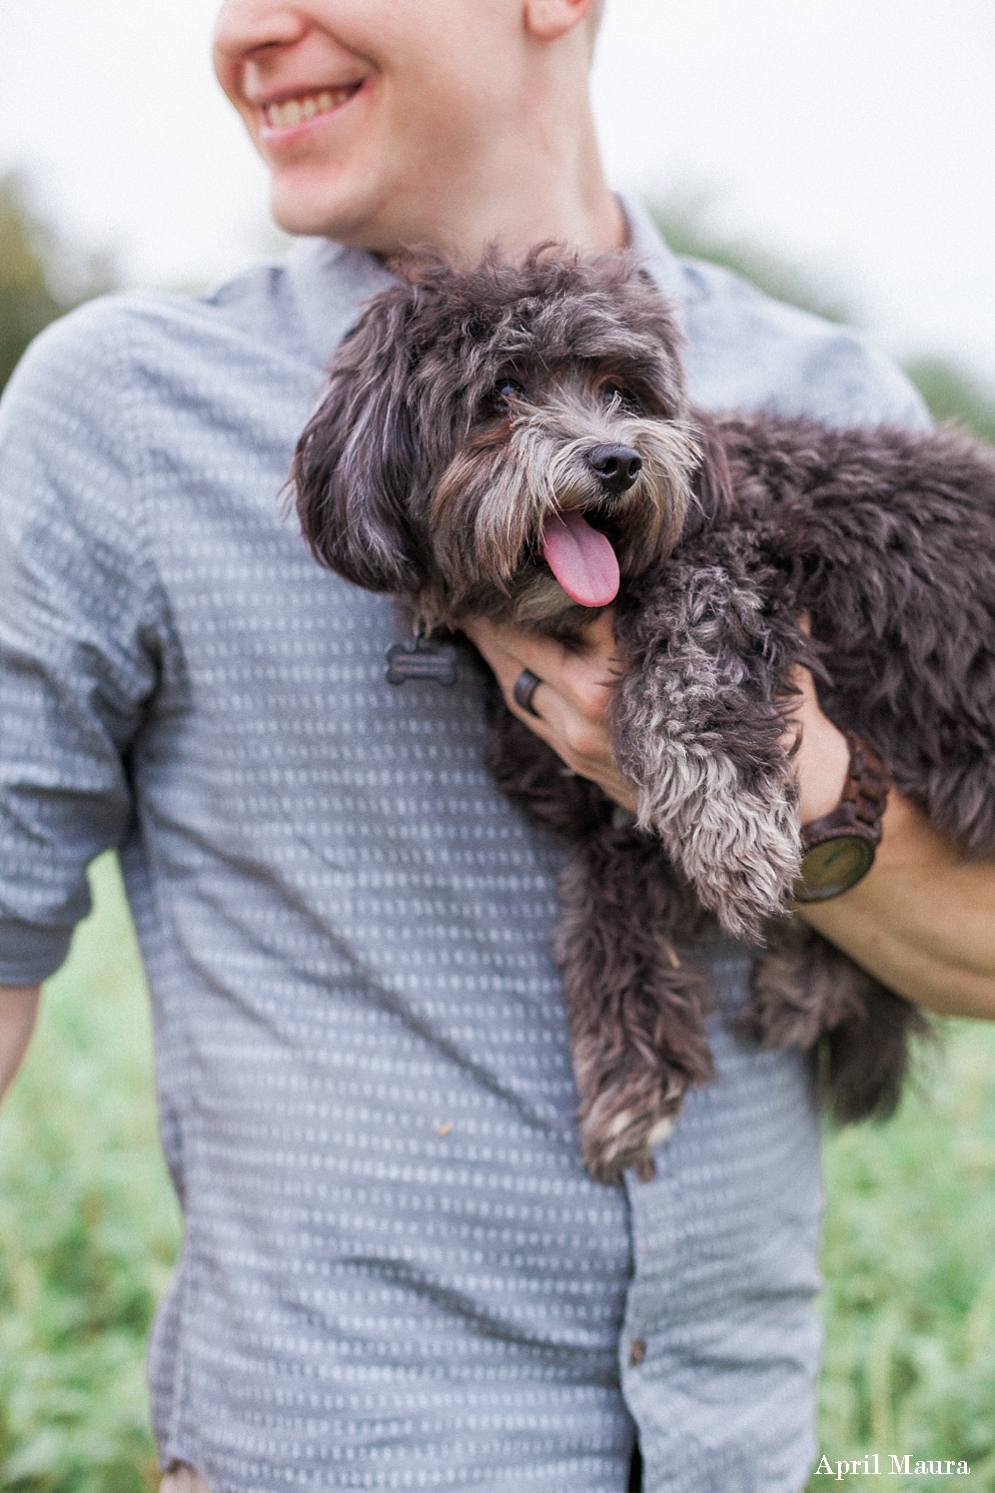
637, 1352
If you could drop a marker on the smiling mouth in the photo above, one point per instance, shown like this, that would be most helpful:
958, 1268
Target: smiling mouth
308, 106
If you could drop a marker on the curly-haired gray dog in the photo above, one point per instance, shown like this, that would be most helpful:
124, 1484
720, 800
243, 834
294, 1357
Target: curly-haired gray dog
516, 442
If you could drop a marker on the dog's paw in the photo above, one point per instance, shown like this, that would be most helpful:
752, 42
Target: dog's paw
739, 846
626, 1139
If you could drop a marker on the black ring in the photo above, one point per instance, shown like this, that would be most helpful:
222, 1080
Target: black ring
525, 687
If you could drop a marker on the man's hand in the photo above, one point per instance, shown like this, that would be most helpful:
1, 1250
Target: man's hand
572, 699
18, 1009
922, 920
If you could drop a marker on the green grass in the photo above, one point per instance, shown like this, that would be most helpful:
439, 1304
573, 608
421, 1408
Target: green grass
910, 1265
88, 1224
88, 1229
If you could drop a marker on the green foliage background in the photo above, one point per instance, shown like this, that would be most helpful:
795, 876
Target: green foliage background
26, 303
41, 276
89, 1226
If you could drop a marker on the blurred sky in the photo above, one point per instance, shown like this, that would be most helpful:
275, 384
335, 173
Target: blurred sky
856, 137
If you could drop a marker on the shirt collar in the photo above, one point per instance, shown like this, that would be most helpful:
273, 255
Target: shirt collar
330, 282
659, 259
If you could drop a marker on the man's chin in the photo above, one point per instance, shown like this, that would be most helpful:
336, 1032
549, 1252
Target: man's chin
341, 215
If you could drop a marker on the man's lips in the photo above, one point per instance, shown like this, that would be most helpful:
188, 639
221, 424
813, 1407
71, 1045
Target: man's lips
289, 113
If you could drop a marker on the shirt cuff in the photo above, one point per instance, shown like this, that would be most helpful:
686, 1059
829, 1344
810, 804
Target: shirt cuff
29, 953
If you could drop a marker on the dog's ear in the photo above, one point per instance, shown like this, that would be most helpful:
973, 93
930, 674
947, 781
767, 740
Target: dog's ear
354, 465
712, 482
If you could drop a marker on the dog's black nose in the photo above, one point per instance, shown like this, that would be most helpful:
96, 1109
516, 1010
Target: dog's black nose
617, 466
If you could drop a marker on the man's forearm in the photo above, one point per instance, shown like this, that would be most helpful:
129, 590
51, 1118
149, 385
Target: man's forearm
922, 920
18, 1009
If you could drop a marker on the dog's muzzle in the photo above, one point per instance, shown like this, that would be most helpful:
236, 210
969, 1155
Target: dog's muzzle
615, 466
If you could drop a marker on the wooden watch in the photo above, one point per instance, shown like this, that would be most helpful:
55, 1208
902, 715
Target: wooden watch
838, 849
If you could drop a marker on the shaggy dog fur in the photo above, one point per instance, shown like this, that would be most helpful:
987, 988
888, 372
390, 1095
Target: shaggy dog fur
464, 413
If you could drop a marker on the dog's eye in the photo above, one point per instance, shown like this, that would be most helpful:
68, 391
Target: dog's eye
612, 392
509, 388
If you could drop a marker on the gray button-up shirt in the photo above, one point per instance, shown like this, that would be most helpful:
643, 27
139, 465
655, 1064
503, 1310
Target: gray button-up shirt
396, 1273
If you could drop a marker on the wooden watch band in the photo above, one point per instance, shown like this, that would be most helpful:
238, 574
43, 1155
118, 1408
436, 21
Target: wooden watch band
862, 805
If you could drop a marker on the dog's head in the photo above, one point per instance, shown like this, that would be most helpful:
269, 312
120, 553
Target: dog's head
502, 442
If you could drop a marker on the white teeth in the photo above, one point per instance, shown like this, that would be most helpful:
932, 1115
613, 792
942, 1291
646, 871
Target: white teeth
294, 111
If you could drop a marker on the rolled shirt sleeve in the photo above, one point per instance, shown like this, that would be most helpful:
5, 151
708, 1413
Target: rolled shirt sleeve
79, 627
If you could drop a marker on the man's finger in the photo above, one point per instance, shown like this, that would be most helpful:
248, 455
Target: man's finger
583, 677
551, 708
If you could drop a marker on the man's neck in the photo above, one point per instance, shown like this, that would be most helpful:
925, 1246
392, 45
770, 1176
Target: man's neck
541, 184
549, 190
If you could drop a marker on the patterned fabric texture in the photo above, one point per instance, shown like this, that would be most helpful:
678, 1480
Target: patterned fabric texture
395, 1272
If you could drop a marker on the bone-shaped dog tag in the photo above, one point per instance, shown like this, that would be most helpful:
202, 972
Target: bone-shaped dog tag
420, 658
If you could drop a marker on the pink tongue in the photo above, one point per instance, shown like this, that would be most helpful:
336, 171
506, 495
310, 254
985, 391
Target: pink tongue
582, 560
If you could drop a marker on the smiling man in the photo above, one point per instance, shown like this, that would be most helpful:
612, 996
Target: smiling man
395, 1271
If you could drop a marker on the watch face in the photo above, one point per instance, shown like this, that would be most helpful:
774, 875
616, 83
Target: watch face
833, 867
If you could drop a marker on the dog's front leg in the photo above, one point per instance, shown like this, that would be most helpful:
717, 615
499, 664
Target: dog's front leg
698, 727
